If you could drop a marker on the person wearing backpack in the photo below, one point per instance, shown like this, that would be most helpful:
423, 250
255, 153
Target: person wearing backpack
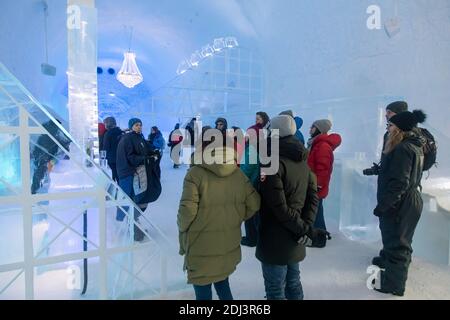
429, 147
399, 201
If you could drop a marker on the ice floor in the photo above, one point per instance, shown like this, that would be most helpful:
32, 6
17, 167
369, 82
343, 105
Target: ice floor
336, 272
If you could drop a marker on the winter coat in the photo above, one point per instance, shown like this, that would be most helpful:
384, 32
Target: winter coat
110, 143
216, 199
298, 133
131, 153
400, 176
191, 131
175, 137
321, 159
251, 170
101, 134
288, 208
157, 140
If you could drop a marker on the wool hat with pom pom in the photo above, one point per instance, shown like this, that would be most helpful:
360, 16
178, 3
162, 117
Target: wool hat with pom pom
406, 121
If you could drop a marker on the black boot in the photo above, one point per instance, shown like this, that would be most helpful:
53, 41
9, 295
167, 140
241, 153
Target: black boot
379, 262
387, 287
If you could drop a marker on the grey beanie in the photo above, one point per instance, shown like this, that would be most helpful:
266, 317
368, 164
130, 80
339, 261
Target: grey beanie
285, 124
287, 113
323, 125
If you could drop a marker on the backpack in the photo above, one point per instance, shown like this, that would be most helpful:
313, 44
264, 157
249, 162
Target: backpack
429, 149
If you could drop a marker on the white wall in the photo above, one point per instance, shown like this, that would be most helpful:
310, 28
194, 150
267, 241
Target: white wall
22, 48
317, 50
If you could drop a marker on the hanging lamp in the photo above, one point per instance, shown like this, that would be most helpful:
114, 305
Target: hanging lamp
129, 74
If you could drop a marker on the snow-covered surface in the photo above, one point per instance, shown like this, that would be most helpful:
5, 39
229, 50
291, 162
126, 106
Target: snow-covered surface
335, 272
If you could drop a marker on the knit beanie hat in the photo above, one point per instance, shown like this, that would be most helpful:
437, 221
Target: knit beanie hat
323, 125
133, 121
285, 124
406, 121
110, 123
287, 113
398, 106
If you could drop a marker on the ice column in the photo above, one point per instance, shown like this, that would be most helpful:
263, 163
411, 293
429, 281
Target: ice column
82, 73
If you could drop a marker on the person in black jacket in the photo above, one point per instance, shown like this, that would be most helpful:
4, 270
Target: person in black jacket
191, 128
399, 202
287, 214
132, 151
110, 143
391, 110
175, 138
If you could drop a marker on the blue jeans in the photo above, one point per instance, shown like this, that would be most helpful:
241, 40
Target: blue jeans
127, 186
222, 288
320, 219
282, 282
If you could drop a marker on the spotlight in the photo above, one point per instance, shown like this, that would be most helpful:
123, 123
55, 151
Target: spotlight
207, 51
231, 42
111, 71
183, 67
196, 57
219, 44
112, 94
99, 70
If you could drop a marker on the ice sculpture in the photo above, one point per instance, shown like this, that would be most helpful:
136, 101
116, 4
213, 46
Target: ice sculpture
82, 74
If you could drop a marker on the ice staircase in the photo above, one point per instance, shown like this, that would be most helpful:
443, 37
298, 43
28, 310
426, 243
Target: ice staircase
63, 241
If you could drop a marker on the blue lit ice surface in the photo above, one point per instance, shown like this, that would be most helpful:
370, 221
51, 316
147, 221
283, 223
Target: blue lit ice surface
9, 166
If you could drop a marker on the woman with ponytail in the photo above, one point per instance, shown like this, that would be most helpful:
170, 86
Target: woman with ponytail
399, 200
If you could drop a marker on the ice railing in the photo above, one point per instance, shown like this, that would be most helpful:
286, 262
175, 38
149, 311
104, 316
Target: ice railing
58, 215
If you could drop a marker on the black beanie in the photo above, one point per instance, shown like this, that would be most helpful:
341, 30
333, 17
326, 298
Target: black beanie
398, 106
406, 121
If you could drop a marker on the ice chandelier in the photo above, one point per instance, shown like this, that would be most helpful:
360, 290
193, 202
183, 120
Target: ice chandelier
218, 45
129, 74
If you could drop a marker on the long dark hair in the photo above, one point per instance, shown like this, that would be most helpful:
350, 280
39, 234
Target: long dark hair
264, 116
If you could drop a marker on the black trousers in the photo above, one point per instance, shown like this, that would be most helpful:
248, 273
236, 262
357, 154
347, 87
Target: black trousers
397, 231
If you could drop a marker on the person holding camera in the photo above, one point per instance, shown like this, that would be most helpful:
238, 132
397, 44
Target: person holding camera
392, 109
399, 201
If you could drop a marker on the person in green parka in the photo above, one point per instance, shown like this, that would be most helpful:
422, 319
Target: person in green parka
216, 199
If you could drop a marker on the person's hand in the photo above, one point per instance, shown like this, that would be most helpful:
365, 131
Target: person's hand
262, 177
377, 212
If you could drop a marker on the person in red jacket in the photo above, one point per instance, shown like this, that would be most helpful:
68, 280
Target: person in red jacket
321, 146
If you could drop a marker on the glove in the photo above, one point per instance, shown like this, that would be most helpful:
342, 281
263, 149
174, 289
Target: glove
315, 238
377, 212
305, 241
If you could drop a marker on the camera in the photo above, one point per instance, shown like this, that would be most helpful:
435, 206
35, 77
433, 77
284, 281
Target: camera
374, 171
